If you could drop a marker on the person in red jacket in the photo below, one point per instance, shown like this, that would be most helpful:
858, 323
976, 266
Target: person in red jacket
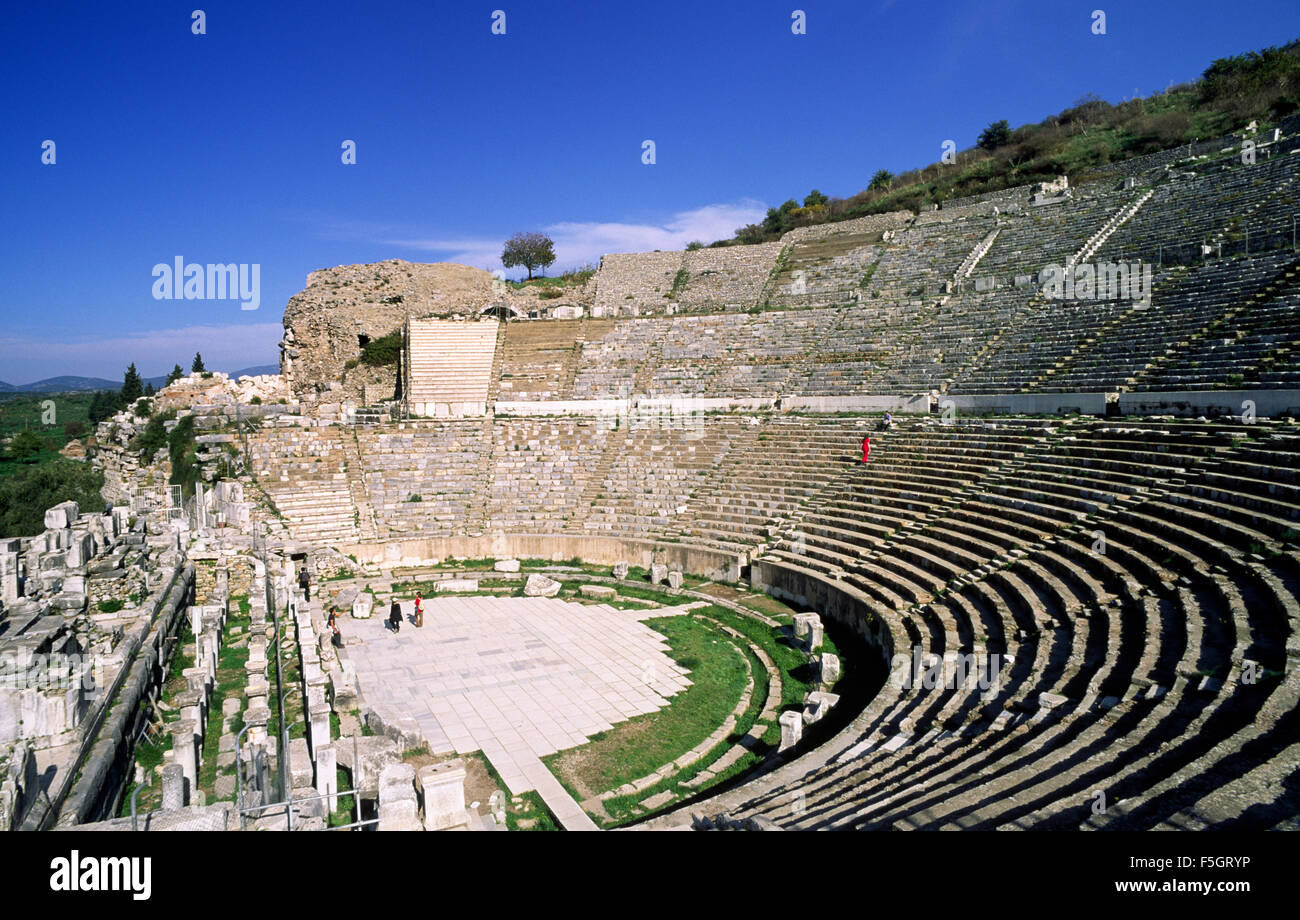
419, 609
866, 448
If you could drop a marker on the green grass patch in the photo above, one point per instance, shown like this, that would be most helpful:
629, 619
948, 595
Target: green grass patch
640, 746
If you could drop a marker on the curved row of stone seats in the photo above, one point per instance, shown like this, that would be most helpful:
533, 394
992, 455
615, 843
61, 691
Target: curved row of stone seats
303, 472
540, 470
609, 365
631, 283
1190, 211
952, 335
771, 469
825, 272
857, 344
1134, 649
1185, 304
1038, 339
1033, 237
1247, 350
426, 478
648, 478
922, 259
729, 355
538, 359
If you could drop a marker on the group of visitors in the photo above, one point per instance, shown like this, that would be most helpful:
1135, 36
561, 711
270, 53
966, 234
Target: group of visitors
304, 585
395, 613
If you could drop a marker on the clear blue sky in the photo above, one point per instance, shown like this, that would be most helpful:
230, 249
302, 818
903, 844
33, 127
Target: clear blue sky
225, 147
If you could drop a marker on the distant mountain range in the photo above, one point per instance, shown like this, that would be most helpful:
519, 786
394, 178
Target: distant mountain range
68, 384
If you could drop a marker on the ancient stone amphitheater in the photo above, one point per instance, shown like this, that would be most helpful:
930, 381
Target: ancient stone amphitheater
1102, 493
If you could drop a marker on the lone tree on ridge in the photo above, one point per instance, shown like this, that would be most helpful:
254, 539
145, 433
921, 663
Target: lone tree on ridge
531, 250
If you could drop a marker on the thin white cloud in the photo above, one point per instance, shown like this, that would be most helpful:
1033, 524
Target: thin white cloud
154, 351
582, 242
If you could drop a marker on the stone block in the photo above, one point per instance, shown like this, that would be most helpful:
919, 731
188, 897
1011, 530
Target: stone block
599, 592
173, 787
674, 579
363, 607
620, 570
442, 787
327, 775
828, 669
457, 584
300, 764
658, 573
540, 586
398, 804
808, 627
818, 705
506, 565
61, 516
791, 729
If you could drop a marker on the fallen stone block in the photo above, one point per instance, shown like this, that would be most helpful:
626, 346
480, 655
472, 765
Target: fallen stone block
541, 586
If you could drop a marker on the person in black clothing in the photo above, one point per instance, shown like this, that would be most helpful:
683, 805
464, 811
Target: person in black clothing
304, 582
395, 616
337, 637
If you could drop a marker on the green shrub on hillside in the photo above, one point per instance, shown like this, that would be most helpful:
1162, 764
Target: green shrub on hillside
26, 494
1261, 86
383, 351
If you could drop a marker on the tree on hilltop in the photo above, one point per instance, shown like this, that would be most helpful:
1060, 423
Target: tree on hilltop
175, 375
531, 250
882, 179
197, 367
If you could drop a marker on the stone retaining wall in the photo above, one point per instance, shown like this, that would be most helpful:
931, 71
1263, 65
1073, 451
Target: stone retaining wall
696, 560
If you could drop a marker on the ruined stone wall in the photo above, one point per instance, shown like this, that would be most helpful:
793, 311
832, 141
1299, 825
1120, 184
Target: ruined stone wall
868, 224
326, 324
726, 278
635, 283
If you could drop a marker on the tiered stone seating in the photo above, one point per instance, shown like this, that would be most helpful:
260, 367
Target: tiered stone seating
1036, 236
1122, 657
303, 472
631, 283
727, 278
540, 471
449, 364
1186, 212
609, 365
651, 473
1185, 304
824, 272
922, 259
1250, 348
428, 478
771, 469
538, 359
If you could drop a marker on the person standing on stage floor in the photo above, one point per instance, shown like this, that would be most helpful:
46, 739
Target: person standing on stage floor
419, 609
395, 615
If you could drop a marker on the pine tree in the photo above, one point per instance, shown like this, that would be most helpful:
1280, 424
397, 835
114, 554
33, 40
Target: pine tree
148, 389
175, 375
197, 367
132, 388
